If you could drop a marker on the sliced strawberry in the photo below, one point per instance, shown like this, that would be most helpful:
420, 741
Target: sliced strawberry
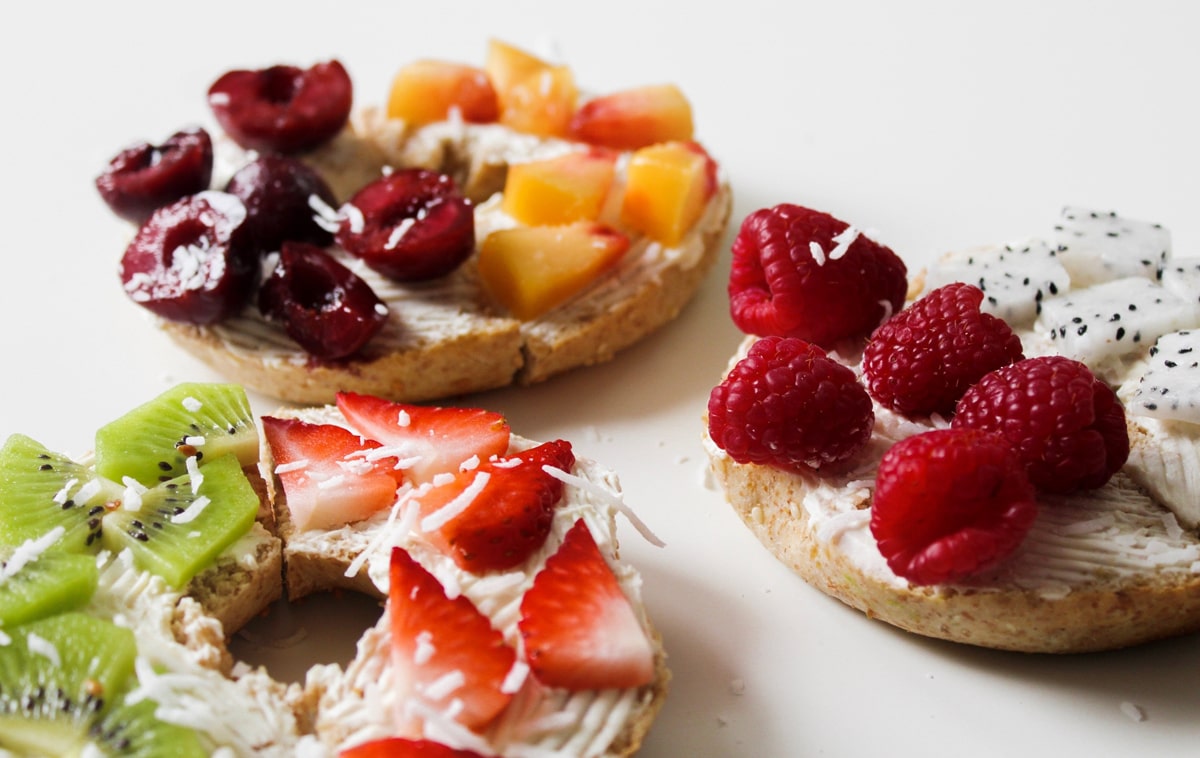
496, 516
580, 630
445, 651
428, 440
330, 475
400, 747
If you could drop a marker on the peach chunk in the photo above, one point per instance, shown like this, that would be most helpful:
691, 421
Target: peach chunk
667, 189
531, 269
536, 97
559, 190
634, 118
427, 90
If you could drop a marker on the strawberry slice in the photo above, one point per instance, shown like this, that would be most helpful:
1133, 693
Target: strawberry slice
446, 653
330, 475
401, 747
428, 440
580, 630
494, 517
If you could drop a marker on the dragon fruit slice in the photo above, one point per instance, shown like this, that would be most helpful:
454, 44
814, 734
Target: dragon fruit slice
1181, 277
1014, 277
1170, 386
1099, 246
1114, 319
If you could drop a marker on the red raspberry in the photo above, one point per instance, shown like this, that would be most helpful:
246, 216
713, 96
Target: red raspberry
1067, 426
923, 360
949, 503
788, 405
791, 278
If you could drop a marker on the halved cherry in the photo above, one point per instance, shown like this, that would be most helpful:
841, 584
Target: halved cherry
410, 225
144, 177
190, 261
323, 305
277, 191
283, 109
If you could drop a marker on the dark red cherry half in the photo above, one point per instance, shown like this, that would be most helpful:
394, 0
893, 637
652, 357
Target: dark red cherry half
189, 262
411, 225
283, 109
327, 308
277, 191
144, 177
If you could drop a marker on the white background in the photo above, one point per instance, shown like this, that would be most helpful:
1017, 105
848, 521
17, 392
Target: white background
936, 124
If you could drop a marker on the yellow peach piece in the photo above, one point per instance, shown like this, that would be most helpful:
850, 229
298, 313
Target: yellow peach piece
634, 118
532, 269
667, 188
559, 190
536, 97
428, 90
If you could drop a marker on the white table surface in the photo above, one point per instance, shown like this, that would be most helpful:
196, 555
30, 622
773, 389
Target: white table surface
938, 125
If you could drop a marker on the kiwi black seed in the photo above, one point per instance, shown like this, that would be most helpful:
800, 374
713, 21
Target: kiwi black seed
58, 675
153, 442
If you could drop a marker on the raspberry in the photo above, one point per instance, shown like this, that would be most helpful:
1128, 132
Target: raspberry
788, 405
923, 360
794, 275
949, 503
1067, 426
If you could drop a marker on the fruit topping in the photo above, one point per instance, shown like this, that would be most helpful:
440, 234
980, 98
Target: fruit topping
144, 177
923, 359
330, 475
401, 747
191, 260
427, 440
949, 503
559, 190
431, 90
579, 628
1099, 246
667, 188
1170, 386
447, 655
536, 96
284, 109
278, 193
788, 405
634, 118
532, 269
802, 273
495, 516
410, 225
324, 306
36, 582
1067, 427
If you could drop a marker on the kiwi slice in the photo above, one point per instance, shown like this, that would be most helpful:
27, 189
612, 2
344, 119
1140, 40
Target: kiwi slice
51, 583
40, 490
153, 442
180, 528
57, 676
132, 730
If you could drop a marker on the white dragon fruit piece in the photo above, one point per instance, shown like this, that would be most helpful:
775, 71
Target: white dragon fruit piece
1170, 386
1114, 319
1014, 277
1181, 277
1099, 246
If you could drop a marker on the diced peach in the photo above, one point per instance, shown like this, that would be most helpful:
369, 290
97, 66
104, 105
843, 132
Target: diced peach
427, 90
532, 269
559, 190
667, 189
634, 118
536, 97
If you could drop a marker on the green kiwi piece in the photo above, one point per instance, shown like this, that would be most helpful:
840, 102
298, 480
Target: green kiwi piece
47, 706
40, 490
152, 442
50, 583
179, 529
132, 730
